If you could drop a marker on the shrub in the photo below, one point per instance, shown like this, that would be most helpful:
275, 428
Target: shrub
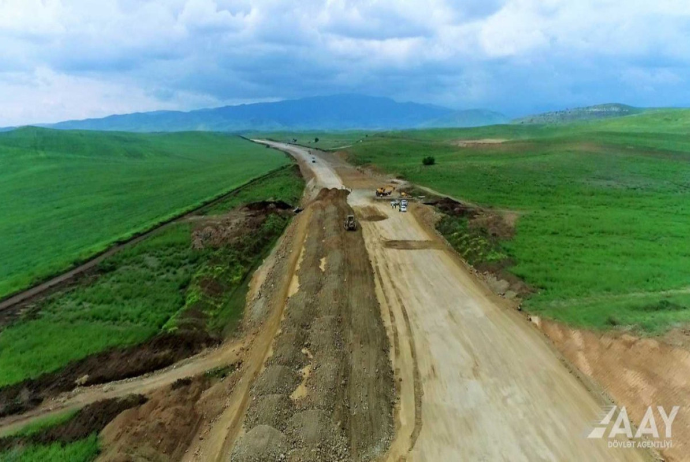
429, 160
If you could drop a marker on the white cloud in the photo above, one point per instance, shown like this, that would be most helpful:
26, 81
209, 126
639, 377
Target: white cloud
125, 55
31, 19
45, 96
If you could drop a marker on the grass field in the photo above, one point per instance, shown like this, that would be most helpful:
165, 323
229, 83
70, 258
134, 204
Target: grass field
283, 185
70, 194
604, 209
84, 450
144, 289
44, 423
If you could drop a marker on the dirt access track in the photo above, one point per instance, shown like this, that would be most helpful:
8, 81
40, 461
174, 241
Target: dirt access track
475, 381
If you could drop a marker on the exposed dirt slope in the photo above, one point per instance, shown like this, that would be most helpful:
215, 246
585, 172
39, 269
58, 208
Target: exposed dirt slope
159, 430
636, 372
116, 364
224, 355
223, 408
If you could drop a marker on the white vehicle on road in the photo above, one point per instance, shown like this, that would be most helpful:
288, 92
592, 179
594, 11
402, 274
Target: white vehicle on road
403, 207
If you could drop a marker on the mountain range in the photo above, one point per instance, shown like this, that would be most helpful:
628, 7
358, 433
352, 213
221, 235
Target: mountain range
337, 112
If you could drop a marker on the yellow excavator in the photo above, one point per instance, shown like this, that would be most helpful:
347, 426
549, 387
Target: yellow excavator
384, 191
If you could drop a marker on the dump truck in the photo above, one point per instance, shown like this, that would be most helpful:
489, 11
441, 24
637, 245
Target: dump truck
350, 223
384, 191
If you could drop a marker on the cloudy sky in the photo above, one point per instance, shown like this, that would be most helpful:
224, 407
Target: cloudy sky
65, 59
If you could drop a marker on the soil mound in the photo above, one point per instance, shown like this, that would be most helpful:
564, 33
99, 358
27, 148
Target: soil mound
326, 341
160, 429
452, 207
271, 410
342, 410
268, 205
314, 428
288, 349
261, 444
277, 380
369, 213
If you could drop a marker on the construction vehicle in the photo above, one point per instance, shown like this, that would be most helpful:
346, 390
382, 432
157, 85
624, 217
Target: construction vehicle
384, 191
350, 223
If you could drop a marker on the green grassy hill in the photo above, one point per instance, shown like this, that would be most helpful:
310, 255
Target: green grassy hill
604, 208
70, 194
600, 111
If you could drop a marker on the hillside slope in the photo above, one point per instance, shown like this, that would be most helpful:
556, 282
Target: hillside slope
601, 111
603, 201
70, 194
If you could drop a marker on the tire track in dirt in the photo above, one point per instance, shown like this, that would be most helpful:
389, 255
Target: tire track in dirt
416, 376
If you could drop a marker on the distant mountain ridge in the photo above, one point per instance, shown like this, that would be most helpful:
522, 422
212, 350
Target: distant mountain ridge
468, 118
599, 111
338, 112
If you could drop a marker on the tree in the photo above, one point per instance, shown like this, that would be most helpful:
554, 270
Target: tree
429, 160
316, 140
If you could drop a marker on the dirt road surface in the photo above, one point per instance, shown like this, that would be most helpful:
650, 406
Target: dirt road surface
476, 381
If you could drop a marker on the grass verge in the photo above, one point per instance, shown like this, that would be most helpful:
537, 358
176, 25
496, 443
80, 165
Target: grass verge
603, 209
164, 283
84, 450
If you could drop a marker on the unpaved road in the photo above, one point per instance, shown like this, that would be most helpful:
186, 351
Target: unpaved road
476, 380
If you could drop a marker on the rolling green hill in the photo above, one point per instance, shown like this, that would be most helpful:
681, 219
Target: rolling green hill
600, 111
604, 209
70, 194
